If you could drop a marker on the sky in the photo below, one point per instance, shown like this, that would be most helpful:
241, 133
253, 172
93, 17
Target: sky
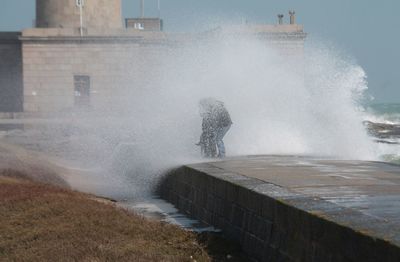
366, 30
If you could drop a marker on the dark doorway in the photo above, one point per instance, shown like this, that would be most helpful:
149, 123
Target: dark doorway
82, 90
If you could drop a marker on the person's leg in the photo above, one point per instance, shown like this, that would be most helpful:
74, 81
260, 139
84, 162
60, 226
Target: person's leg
221, 148
220, 143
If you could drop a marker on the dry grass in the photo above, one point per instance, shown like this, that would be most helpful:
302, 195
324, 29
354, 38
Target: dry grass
42, 220
18, 162
36, 174
44, 223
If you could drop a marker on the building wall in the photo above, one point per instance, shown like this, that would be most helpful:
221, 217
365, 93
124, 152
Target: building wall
116, 71
65, 14
10, 73
119, 62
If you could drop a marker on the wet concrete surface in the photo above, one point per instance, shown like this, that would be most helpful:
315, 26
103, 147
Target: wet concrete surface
362, 195
159, 209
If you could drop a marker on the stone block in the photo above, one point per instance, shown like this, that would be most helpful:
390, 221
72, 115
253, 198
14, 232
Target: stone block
243, 198
198, 197
220, 188
214, 219
249, 243
232, 192
219, 206
195, 211
268, 208
234, 233
265, 232
210, 203
208, 217
202, 215
282, 218
222, 223
181, 203
238, 216
270, 254
186, 190
258, 252
277, 237
255, 202
258, 226
228, 210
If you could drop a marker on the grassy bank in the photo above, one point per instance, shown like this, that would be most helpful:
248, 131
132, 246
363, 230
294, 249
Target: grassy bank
40, 222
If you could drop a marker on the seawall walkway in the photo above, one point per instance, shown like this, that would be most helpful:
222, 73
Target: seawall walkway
283, 208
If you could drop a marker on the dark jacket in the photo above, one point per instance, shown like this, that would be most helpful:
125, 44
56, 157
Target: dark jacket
216, 117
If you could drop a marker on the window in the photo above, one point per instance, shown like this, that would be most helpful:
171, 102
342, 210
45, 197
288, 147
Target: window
82, 90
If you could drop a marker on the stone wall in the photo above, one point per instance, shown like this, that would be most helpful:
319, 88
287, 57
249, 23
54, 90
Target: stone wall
115, 68
119, 63
271, 223
10, 73
65, 14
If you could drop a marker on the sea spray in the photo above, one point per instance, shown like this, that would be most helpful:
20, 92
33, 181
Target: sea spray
279, 103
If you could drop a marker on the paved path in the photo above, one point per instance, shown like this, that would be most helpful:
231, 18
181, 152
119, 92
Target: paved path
370, 189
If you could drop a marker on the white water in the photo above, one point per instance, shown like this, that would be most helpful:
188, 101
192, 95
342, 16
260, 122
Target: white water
278, 104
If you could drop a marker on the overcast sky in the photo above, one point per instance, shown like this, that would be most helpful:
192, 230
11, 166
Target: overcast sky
368, 30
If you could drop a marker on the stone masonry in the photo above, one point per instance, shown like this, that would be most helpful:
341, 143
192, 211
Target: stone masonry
66, 14
292, 212
114, 65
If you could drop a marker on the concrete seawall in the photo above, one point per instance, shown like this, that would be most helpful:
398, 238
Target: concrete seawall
295, 209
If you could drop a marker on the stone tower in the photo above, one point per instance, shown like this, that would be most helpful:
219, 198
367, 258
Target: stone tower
101, 14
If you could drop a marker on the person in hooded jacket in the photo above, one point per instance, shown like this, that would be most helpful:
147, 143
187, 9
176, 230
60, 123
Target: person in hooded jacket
216, 123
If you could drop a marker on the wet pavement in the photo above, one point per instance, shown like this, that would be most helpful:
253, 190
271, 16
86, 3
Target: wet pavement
161, 210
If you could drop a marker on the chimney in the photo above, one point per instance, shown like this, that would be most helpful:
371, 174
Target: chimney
292, 17
280, 19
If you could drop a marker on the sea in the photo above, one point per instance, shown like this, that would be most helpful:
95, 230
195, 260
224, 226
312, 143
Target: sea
383, 124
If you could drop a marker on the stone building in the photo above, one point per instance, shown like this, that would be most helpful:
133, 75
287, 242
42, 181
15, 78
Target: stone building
81, 55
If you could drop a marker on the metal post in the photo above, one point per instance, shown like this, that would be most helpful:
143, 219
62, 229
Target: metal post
80, 3
81, 17
292, 17
280, 19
